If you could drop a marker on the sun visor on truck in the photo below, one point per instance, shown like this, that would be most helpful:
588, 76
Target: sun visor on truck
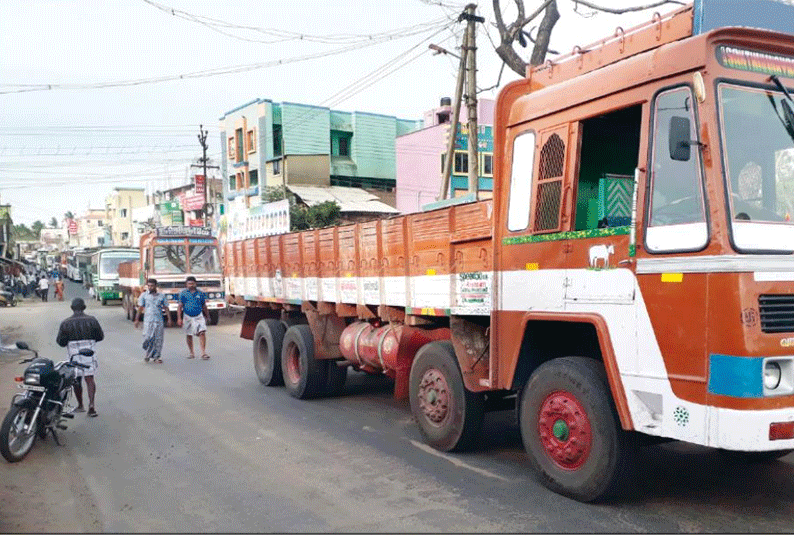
775, 15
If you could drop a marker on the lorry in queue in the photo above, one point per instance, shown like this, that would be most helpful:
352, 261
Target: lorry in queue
105, 272
170, 254
631, 281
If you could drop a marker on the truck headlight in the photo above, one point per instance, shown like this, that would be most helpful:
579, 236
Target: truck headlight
32, 379
772, 375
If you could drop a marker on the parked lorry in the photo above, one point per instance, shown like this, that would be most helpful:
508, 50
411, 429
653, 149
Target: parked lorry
170, 254
631, 281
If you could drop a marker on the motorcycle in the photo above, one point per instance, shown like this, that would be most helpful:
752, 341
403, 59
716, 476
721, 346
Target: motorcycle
7, 298
39, 409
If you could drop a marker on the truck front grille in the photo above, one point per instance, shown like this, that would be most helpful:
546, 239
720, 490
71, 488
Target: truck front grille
777, 313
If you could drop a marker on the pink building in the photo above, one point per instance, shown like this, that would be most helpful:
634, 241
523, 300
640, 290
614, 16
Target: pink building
420, 155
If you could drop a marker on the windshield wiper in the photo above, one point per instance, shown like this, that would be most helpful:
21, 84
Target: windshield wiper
787, 105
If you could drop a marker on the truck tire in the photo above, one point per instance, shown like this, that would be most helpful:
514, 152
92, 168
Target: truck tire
304, 376
214, 317
125, 304
335, 382
268, 341
571, 430
449, 415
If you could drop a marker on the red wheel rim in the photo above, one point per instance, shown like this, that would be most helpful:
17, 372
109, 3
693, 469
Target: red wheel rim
434, 397
293, 364
564, 430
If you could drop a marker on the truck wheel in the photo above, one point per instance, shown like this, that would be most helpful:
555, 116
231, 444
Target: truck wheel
214, 316
304, 376
104, 301
449, 415
335, 382
268, 340
571, 430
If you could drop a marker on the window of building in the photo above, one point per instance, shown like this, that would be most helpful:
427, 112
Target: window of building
123, 213
231, 148
277, 142
461, 163
251, 141
344, 146
124, 236
276, 167
486, 164
232, 182
253, 178
99, 223
521, 182
239, 144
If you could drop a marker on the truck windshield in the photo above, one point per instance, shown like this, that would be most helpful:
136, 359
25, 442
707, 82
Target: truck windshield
204, 259
759, 168
109, 264
169, 259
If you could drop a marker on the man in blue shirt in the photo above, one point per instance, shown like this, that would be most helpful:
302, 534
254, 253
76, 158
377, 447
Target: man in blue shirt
193, 304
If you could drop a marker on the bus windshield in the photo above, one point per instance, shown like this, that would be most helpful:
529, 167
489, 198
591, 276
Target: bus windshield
109, 264
204, 259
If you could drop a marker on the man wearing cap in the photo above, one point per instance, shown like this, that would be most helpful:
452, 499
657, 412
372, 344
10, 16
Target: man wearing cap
77, 332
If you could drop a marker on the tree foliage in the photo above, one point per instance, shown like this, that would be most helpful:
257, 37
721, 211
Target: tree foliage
304, 217
515, 31
53, 222
23, 232
36, 228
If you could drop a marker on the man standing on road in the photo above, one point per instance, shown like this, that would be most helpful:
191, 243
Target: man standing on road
193, 302
151, 305
77, 332
44, 287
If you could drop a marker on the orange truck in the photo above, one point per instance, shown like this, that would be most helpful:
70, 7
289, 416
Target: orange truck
631, 281
169, 254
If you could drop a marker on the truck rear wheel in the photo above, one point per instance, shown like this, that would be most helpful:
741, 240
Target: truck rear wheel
449, 415
268, 341
571, 430
304, 376
214, 316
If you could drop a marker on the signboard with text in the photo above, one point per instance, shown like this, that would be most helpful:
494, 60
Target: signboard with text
267, 219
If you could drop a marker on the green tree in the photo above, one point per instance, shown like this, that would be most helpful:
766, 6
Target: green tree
22, 232
304, 217
53, 222
36, 228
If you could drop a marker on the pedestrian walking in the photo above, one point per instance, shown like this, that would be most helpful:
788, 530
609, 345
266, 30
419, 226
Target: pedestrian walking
44, 288
193, 303
77, 332
151, 305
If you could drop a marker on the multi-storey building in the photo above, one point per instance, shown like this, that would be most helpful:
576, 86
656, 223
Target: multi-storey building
91, 229
284, 144
421, 155
118, 213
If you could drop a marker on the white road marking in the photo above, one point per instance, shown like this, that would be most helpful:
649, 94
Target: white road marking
455, 461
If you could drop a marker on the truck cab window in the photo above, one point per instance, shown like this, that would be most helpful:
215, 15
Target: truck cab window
677, 220
521, 182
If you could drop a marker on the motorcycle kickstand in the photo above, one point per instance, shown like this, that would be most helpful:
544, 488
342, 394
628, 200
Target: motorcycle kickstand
55, 436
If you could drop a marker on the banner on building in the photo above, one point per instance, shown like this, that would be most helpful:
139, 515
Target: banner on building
200, 183
192, 203
267, 219
72, 227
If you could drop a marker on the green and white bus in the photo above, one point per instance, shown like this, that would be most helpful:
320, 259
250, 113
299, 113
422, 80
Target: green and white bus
105, 271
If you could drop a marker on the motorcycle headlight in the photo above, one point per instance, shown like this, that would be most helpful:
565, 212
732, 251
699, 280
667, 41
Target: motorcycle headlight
32, 379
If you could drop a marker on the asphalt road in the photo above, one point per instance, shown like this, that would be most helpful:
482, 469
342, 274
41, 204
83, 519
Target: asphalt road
200, 446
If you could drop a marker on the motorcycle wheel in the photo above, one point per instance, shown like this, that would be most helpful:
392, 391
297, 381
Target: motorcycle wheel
14, 444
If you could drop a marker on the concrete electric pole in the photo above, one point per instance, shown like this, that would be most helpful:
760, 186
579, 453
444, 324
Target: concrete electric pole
202, 137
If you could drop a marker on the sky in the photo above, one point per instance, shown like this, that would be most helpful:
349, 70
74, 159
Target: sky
97, 94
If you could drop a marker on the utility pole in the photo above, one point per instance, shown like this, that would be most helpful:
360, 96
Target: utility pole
202, 137
471, 96
468, 67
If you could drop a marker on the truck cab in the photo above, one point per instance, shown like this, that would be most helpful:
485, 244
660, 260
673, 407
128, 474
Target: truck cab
170, 254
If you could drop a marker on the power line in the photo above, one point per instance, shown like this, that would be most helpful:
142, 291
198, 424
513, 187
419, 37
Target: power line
21, 88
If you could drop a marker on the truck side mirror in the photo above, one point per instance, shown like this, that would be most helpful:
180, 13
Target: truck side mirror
679, 139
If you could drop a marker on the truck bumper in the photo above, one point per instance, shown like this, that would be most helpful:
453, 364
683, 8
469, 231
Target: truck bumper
113, 294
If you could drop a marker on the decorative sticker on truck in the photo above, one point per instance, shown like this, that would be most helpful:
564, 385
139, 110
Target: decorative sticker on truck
755, 61
473, 293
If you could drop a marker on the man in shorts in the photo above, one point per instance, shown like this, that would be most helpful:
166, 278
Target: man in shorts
193, 303
77, 332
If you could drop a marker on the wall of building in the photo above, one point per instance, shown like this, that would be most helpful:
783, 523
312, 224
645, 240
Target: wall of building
118, 209
306, 169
